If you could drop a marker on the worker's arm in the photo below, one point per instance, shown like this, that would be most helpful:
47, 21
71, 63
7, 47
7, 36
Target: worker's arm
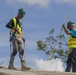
10, 24
65, 29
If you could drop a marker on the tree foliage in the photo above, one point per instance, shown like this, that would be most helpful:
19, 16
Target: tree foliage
54, 44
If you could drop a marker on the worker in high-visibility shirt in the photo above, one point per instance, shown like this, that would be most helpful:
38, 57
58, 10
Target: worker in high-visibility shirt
15, 27
71, 31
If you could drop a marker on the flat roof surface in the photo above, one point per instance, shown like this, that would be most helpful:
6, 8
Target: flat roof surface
33, 72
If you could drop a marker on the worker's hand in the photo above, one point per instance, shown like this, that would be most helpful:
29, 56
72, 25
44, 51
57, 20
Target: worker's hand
16, 29
23, 39
63, 25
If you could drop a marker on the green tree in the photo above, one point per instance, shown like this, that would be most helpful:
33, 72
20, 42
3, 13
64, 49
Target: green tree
54, 45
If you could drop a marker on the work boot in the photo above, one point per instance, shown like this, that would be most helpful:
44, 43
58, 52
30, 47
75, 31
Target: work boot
23, 66
11, 67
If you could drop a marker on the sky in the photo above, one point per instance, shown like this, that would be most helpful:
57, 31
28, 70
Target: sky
41, 16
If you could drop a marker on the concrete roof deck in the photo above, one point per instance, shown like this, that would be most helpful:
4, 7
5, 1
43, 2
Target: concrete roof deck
33, 72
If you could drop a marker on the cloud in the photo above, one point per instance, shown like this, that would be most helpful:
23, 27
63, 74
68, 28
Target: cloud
38, 64
66, 1
53, 65
41, 3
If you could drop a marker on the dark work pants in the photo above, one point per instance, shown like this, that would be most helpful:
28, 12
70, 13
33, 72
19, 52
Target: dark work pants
17, 47
71, 62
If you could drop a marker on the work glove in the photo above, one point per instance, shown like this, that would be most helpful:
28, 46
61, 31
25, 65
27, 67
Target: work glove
15, 29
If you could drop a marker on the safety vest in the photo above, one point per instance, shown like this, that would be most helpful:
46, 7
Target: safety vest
19, 27
71, 42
